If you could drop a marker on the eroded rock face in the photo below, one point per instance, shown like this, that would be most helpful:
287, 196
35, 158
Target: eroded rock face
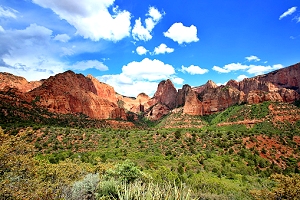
136, 105
104, 90
192, 105
208, 85
74, 93
285, 78
220, 98
166, 94
157, 112
181, 95
12, 81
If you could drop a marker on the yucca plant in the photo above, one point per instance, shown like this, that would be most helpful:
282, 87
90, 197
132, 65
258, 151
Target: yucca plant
151, 191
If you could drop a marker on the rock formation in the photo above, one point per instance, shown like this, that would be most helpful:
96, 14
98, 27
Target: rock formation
12, 81
136, 105
74, 93
281, 85
166, 94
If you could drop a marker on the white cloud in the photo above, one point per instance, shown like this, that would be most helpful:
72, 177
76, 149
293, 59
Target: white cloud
147, 69
180, 33
30, 53
258, 70
143, 76
141, 50
62, 37
230, 67
2, 29
177, 80
139, 32
288, 12
8, 12
155, 14
193, 70
83, 65
251, 69
162, 49
253, 58
297, 18
219, 69
128, 87
91, 18
241, 77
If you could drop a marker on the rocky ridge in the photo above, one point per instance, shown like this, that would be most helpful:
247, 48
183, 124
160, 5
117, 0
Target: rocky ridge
74, 93
278, 86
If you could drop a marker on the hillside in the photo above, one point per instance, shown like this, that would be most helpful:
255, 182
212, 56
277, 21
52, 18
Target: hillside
73, 137
218, 156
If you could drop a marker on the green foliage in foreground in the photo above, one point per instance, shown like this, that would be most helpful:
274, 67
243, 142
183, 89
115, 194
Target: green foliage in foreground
205, 161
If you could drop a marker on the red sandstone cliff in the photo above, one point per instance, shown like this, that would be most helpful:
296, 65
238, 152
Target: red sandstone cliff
74, 93
12, 81
281, 85
166, 94
136, 105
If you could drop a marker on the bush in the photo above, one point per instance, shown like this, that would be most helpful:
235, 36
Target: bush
125, 172
85, 189
108, 188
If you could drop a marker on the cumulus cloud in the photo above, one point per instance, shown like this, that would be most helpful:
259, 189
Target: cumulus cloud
92, 18
251, 69
62, 37
147, 69
258, 70
288, 12
88, 64
253, 58
143, 76
180, 33
31, 53
162, 49
193, 70
220, 70
177, 80
1, 29
141, 50
241, 77
7, 12
139, 32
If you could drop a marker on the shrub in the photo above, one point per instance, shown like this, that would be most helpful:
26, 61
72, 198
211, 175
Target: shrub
85, 189
108, 188
177, 134
126, 171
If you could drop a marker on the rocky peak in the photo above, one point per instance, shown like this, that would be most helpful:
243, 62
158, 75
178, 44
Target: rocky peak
288, 77
74, 93
208, 85
12, 81
104, 90
233, 83
166, 94
181, 95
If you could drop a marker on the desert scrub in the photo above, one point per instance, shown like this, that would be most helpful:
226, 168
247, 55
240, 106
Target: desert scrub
85, 188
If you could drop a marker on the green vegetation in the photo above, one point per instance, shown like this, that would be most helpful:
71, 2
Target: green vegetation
211, 157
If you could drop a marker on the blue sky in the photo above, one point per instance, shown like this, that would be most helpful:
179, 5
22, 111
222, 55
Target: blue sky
133, 45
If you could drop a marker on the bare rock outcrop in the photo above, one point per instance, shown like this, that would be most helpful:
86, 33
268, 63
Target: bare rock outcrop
166, 94
74, 93
157, 111
12, 81
136, 105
